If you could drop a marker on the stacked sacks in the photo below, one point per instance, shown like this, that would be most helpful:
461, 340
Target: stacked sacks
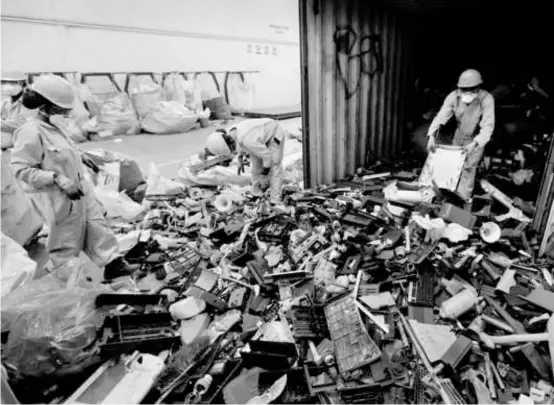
111, 110
174, 115
169, 117
145, 97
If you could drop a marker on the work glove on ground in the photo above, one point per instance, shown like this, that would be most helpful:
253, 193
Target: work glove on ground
70, 187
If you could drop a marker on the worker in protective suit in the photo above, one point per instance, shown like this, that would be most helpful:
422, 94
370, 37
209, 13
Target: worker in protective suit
52, 171
13, 113
473, 109
264, 140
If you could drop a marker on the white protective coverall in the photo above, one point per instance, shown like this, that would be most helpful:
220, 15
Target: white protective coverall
264, 140
39, 151
475, 122
14, 114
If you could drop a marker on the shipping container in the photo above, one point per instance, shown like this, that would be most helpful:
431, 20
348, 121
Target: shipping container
363, 61
356, 63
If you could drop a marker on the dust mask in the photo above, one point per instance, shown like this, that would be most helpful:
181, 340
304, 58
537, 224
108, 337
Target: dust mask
467, 98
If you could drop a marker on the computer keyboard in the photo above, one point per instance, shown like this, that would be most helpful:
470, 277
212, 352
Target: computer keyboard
421, 292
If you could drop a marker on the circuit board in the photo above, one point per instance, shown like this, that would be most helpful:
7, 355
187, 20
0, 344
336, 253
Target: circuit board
353, 345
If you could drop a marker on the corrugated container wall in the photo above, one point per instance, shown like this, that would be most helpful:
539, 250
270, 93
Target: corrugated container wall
355, 60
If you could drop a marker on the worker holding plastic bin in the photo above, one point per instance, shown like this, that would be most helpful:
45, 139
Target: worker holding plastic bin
51, 169
264, 140
473, 109
13, 113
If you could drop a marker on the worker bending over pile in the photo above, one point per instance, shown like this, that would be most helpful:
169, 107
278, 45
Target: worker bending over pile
51, 168
473, 109
264, 140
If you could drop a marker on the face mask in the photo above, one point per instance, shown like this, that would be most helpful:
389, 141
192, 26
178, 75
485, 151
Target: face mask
10, 89
32, 100
53, 110
467, 98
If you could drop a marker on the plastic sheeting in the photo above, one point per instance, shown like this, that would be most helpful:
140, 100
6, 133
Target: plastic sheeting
118, 204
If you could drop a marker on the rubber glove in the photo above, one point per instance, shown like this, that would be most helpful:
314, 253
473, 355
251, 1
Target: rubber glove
70, 187
469, 148
90, 163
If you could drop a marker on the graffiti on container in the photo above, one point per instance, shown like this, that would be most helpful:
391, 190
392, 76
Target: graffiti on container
356, 56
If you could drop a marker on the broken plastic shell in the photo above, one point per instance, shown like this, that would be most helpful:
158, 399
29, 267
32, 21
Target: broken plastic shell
490, 232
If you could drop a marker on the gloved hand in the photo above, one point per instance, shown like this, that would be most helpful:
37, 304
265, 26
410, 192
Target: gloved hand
70, 187
469, 148
90, 163
265, 171
431, 144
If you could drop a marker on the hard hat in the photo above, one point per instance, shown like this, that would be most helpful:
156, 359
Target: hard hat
470, 78
13, 76
216, 144
56, 90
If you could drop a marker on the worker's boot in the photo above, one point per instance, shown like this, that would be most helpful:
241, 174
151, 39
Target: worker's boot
119, 267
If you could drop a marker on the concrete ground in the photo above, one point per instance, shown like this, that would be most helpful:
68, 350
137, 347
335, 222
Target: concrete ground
167, 151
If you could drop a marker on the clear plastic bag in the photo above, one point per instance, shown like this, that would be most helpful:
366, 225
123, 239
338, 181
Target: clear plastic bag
51, 321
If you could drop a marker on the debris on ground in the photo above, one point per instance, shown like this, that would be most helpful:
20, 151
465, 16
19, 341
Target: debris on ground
370, 290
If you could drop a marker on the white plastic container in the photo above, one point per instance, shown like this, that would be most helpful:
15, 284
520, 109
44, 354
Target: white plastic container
459, 304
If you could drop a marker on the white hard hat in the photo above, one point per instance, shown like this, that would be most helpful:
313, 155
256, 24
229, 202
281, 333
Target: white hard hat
216, 144
13, 76
470, 78
56, 90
